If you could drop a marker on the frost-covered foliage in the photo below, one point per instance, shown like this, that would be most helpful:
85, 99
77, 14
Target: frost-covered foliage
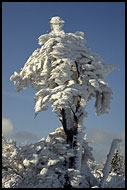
67, 74
62, 69
43, 165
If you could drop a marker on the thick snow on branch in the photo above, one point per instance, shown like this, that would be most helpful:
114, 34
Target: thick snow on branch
43, 165
63, 68
67, 74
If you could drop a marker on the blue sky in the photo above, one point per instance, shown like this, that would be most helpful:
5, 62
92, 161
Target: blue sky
104, 27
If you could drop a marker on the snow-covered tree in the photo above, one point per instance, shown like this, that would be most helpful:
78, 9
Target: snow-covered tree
106, 169
67, 74
118, 163
44, 165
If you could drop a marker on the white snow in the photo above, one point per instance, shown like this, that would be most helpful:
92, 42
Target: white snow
114, 145
49, 171
67, 74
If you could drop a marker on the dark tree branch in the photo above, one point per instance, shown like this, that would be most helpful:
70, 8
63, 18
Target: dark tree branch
77, 69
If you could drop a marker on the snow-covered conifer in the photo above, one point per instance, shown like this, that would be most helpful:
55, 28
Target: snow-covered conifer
118, 163
67, 74
44, 165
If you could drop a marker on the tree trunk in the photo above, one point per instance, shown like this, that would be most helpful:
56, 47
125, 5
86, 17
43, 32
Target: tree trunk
74, 137
68, 123
72, 125
70, 132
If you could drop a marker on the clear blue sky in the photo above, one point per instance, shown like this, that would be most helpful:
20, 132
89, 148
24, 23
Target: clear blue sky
104, 27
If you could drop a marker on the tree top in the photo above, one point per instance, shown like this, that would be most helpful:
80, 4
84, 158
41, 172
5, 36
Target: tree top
56, 23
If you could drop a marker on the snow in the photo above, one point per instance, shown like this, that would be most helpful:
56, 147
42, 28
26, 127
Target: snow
95, 187
44, 171
54, 62
52, 162
26, 162
67, 74
49, 171
114, 145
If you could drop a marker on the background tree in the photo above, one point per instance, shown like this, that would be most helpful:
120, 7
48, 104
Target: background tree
66, 73
118, 163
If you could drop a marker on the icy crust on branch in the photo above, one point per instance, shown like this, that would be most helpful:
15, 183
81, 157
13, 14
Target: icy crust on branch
63, 68
43, 165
